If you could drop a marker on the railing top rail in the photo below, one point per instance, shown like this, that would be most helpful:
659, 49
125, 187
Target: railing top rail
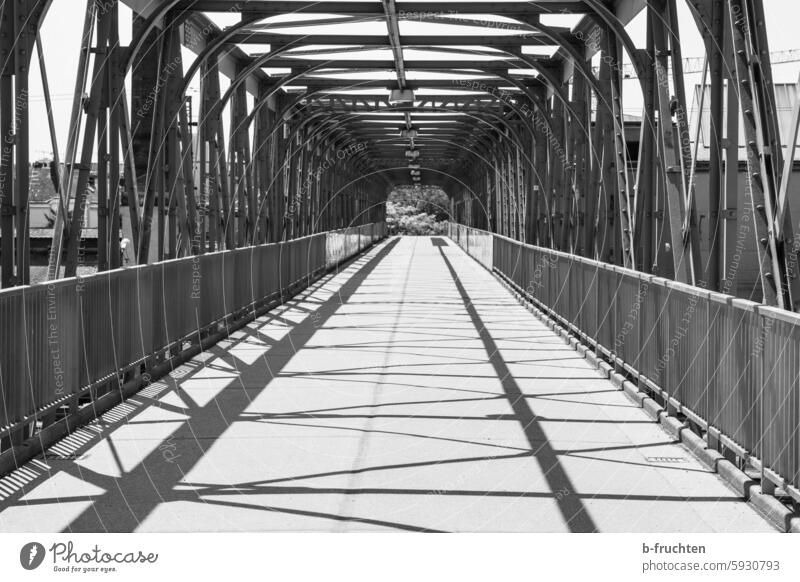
88, 278
779, 314
715, 296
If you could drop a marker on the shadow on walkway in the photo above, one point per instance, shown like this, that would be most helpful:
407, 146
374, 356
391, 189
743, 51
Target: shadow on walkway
575, 514
399, 394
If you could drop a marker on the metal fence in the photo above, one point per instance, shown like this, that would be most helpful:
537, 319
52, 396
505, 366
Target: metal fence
477, 243
345, 243
63, 339
726, 364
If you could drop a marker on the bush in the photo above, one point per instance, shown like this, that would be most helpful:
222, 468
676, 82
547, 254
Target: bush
417, 211
407, 220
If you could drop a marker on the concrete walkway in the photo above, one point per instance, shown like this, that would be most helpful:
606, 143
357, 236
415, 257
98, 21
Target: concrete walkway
408, 392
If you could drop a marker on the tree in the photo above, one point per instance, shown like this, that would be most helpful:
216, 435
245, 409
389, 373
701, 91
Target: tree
417, 211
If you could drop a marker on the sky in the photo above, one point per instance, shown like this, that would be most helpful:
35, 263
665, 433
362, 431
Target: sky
62, 29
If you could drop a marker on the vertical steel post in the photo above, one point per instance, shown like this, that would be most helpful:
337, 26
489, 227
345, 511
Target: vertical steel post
7, 209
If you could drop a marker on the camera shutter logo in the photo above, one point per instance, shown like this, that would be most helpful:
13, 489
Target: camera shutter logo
31, 555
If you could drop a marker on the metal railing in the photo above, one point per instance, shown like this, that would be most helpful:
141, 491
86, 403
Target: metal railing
66, 343
729, 366
478, 243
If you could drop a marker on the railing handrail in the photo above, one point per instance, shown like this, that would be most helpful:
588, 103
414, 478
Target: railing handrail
737, 302
111, 272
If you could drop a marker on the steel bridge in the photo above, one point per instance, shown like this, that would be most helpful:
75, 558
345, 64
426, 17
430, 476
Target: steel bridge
605, 338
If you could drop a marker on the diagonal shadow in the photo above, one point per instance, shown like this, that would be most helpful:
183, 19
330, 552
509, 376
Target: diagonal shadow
274, 416
571, 507
152, 481
321, 515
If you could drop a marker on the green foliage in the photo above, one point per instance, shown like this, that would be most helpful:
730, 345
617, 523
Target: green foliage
428, 199
417, 211
407, 220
